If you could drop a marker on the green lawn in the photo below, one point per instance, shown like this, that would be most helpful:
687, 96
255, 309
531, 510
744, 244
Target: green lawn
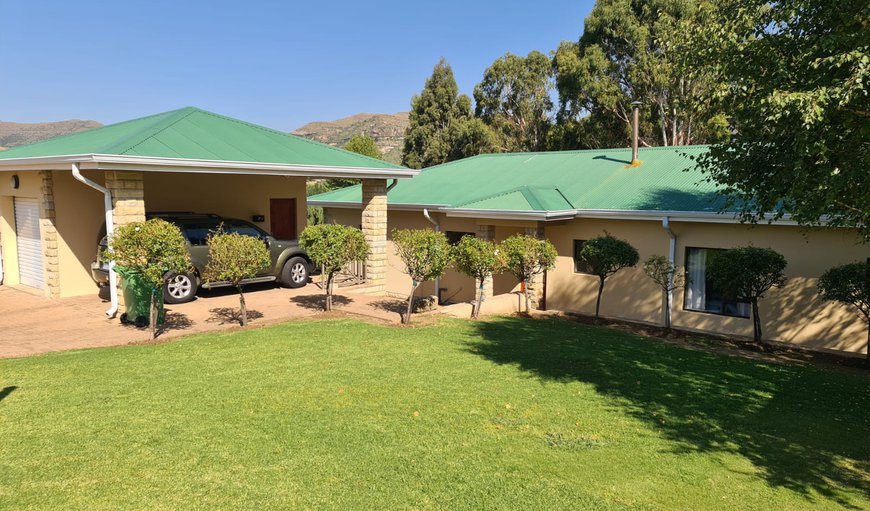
503, 414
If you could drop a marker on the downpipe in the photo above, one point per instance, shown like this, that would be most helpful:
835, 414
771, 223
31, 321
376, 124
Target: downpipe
110, 229
672, 255
437, 229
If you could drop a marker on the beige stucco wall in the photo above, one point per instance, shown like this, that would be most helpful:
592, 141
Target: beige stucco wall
455, 286
79, 217
29, 187
793, 314
234, 196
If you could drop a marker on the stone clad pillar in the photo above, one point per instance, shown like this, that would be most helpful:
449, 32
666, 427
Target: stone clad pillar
536, 285
485, 232
48, 233
128, 196
374, 227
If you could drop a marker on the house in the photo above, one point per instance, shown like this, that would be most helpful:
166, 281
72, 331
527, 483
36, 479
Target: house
663, 206
56, 195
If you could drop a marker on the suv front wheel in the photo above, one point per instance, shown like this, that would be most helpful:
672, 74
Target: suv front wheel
295, 273
179, 288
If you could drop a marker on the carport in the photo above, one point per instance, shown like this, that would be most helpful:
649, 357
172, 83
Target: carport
56, 195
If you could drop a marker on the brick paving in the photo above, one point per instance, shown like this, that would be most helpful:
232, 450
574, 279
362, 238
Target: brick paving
34, 324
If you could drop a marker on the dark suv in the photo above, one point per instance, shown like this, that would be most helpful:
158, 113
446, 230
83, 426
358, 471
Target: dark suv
290, 264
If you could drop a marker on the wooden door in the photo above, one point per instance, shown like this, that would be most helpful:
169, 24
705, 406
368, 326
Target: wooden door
282, 217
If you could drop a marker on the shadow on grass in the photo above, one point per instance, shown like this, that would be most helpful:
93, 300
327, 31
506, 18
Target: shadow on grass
5, 391
318, 302
800, 426
227, 315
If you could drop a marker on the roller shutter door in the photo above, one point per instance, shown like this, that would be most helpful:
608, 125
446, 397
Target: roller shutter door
30, 269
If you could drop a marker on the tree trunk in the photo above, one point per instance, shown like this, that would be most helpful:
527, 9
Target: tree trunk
243, 309
526, 294
598, 300
329, 279
475, 312
407, 318
868, 341
152, 315
756, 322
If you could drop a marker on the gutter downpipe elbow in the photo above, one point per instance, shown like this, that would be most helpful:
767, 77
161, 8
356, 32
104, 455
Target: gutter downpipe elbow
437, 229
110, 228
672, 255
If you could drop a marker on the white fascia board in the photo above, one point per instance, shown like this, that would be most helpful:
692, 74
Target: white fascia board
159, 164
390, 206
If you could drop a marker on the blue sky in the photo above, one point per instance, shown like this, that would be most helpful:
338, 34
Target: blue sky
280, 64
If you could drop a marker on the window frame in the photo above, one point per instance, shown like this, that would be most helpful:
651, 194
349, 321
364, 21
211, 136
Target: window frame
688, 308
577, 246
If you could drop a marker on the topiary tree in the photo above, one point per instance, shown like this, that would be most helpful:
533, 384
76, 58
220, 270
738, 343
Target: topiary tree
606, 255
746, 274
849, 284
479, 259
526, 257
233, 258
667, 277
426, 255
332, 247
150, 249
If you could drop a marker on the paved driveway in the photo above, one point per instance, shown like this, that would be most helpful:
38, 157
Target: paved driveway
33, 324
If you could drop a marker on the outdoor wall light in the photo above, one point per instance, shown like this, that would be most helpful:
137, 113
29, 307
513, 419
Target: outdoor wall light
258, 218
14, 182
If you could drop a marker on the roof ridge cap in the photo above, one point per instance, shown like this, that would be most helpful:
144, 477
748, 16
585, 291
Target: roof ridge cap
149, 131
492, 196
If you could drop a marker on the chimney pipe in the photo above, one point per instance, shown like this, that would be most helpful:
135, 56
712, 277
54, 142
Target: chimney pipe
635, 120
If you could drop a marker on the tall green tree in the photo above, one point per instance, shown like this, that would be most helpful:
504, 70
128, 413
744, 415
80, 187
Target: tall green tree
634, 50
442, 127
364, 145
796, 96
514, 99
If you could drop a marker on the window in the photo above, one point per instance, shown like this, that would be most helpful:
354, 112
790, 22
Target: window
244, 228
701, 295
197, 232
453, 237
580, 265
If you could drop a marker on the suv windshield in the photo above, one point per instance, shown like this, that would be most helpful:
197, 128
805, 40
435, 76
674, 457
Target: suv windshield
197, 232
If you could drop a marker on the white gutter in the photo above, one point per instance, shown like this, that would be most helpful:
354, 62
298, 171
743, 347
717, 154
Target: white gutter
672, 256
437, 279
110, 228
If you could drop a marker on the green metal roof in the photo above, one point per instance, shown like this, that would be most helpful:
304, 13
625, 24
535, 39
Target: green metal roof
192, 133
595, 179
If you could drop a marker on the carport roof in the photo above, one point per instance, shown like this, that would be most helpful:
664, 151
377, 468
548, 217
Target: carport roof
190, 137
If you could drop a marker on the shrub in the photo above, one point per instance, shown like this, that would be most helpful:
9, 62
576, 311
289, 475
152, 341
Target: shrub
606, 255
332, 247
849, 284
526, 257
746, 274
667, 277
152, 249
426, 255
233, 258
479, 259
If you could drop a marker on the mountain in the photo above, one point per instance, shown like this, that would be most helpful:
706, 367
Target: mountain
388, 131
20, 133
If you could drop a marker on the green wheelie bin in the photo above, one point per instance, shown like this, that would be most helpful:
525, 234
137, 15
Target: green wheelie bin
137, 299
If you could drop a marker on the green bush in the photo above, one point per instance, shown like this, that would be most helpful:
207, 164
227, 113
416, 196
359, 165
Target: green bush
233, 258
332, 247
526, 257
152, 249
426, 255
746, 274
479, 259
849, 284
